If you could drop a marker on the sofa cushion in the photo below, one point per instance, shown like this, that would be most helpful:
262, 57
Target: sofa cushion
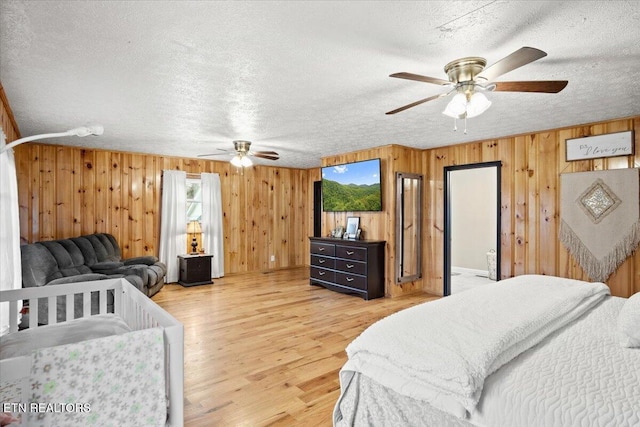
78, 278
88, 252
105, 237
103, 247
68, 257
38, 266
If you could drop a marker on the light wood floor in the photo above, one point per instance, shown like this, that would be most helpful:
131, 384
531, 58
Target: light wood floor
266, 348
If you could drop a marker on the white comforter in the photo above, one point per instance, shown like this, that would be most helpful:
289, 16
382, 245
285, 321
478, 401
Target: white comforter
442, 351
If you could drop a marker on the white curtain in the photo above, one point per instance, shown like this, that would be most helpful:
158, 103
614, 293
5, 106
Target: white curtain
212, 235
10, 265
173, 221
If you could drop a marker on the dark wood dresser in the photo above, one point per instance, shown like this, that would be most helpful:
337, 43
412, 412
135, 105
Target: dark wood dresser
349, 266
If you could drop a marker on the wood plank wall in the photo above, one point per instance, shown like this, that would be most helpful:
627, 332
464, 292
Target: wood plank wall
380, 225
7, 121
67, 191
531, 168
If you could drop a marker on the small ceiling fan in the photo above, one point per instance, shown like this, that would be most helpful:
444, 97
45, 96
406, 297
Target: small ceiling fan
243, 152
469, 78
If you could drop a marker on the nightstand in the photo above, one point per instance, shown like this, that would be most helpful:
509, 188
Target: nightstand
195, 269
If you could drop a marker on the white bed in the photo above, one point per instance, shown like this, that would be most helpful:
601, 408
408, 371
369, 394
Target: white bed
134, 354
561, 366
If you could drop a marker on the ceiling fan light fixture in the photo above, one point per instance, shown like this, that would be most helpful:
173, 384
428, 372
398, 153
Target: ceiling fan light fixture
477, 105
457, 106
241, 161
236, 161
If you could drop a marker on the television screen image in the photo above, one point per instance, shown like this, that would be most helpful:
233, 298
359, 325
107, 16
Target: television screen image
352, 187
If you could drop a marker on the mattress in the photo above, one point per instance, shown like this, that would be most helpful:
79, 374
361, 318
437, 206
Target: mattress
577, 376
22, 343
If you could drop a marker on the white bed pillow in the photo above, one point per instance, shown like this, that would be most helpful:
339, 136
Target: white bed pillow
629, 322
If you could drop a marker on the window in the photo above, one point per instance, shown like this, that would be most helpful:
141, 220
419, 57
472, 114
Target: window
194, 200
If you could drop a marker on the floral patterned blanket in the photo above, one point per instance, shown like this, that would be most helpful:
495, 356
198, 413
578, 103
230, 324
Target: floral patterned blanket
112, 381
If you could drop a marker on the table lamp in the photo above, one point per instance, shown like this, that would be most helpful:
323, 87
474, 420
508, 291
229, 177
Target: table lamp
193, 227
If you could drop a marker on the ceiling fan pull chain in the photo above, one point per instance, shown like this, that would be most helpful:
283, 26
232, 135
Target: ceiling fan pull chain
465, 124
455, 124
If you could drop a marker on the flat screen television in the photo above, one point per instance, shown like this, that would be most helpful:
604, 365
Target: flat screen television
352, 187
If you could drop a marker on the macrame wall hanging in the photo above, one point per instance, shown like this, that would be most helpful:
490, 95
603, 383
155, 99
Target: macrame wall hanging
600, 218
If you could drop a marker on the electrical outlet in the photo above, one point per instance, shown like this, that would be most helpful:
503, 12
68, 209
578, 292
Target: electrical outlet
273, 258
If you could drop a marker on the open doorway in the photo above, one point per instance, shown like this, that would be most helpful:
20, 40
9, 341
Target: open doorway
472, 226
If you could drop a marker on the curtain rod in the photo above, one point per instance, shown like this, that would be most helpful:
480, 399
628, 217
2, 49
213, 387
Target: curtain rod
193, 175
189, 174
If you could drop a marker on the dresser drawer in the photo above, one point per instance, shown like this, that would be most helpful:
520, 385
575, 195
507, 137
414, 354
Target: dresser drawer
351, 280
324, 262
323, 274
327, 249
349, 252
352, 267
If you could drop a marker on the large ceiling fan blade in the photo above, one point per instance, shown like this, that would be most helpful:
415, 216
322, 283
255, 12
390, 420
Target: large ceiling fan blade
215, 154
548, 86
413, 104
219, 153
419, 78
273, 153
262, 155
517, 59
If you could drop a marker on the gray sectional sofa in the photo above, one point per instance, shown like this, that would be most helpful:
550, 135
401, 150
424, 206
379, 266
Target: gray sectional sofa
91, 257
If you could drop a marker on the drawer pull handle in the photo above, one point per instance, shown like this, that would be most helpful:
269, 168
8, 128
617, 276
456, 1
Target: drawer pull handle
349, 279
350, 252
349, 265
321, 261
321, 249
321, 273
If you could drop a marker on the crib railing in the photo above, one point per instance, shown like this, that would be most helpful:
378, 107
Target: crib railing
69, 290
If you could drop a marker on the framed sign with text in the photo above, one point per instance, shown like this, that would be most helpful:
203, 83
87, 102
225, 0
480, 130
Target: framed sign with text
595, 147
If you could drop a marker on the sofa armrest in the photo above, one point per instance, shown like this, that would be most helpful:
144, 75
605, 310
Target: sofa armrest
139, 270
146, 260
106, 267
137, 282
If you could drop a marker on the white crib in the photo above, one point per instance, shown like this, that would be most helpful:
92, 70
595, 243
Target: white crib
136, 309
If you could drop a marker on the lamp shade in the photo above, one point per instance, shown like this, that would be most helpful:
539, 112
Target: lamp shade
457, 106
245, 161
193, 227
477, 105
236, 161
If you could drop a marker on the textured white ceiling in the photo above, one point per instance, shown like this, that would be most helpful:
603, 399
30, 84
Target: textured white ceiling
306, 79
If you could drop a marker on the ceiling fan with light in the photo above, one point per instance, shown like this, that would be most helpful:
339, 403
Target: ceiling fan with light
243, 152
469, 78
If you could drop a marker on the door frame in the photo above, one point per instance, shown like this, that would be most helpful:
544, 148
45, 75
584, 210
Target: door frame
447, 218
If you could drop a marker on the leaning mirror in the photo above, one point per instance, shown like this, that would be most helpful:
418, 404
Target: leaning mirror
408, 221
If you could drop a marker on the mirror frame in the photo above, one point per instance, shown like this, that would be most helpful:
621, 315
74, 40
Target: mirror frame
447, 218
400, 202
